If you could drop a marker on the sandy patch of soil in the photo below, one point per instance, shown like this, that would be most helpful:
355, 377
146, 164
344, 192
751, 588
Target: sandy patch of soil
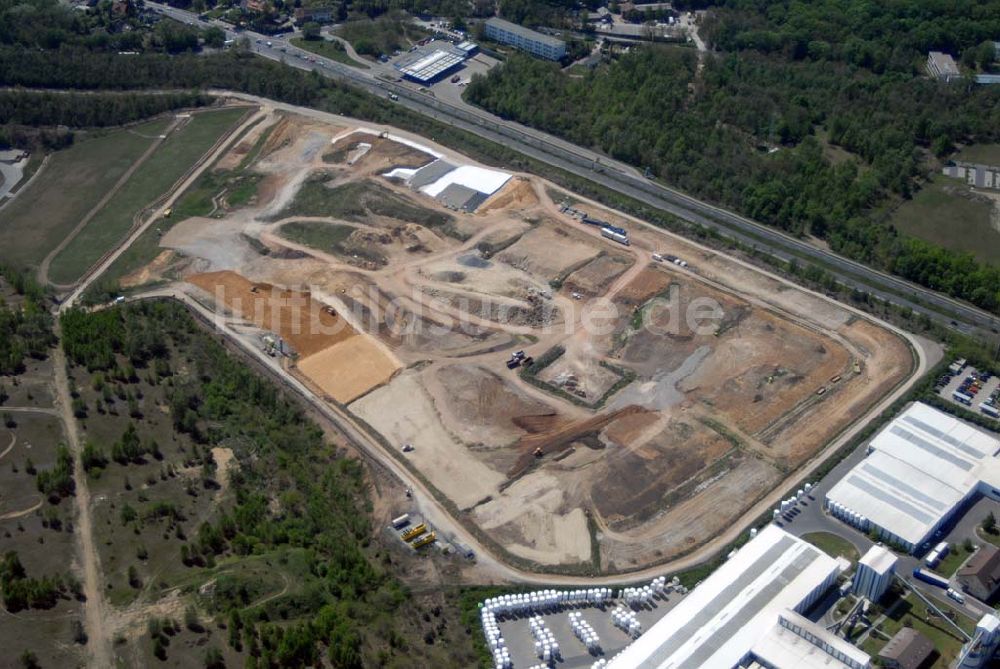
481, 407
549, 252
517, 193
538, 525
403, 413
595, 277
348, 369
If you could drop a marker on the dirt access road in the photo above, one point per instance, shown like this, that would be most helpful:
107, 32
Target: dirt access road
94, 613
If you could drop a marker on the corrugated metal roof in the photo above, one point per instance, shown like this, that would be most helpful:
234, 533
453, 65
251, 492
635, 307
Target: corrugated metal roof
923, 464
719, 621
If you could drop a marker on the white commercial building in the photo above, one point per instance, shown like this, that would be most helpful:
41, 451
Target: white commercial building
745, 613
875, 572
922, 468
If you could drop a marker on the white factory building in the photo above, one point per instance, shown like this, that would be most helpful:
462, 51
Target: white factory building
875, 571
922, 469
747, 614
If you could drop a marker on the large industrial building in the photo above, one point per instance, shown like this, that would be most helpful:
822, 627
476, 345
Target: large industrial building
922, 470
747, 614
525, 39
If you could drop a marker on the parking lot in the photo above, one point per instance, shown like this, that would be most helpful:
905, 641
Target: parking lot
521, 643
445, 88
970, 382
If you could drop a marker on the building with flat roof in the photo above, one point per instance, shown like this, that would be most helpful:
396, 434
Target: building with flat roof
921, 471
737, 611
525, 39
907, 650
875, 571
942, 66
428, 65
980, 575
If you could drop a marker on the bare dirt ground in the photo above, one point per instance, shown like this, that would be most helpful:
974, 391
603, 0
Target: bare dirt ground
349, 368
696, 425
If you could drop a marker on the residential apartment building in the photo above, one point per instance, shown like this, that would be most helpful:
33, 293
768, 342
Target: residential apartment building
525, 39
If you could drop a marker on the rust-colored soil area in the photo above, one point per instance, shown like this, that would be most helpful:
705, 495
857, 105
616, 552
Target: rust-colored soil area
294, 315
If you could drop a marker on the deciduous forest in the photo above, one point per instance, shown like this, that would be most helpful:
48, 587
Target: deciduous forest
814, 118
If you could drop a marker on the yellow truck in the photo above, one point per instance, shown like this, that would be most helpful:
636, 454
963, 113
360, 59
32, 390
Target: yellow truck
424, 540
414, 532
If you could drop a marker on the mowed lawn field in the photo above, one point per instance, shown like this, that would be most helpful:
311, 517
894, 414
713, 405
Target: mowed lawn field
178, 153
72, 182
947, 212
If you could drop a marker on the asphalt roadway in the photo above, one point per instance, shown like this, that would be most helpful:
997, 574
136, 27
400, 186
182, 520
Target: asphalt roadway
619, 177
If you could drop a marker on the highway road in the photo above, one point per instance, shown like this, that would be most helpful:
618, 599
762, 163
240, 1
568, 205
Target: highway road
620, 177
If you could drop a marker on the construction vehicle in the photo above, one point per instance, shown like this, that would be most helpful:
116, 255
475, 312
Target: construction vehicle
414, 532
423, 541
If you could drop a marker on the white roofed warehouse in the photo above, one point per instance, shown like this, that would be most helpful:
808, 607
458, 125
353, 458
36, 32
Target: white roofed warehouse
923, 469
747, 611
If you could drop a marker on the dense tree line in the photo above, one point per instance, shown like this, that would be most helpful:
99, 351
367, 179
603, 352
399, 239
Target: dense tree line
290, 492
21, 592
49, 24
533, 13
882, 36
89, 110
745, 135
57, 482
25, 325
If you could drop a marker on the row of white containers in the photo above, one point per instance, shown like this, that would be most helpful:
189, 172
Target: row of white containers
545, 600
584, 632
548, 600
501, 656
546, 646
786, 504
626, 620
838, 510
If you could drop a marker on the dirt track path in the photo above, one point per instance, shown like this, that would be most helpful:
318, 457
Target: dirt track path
13, 441
24, 512
95, 616
43, 269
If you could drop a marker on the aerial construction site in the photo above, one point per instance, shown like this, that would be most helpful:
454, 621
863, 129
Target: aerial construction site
583, 391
